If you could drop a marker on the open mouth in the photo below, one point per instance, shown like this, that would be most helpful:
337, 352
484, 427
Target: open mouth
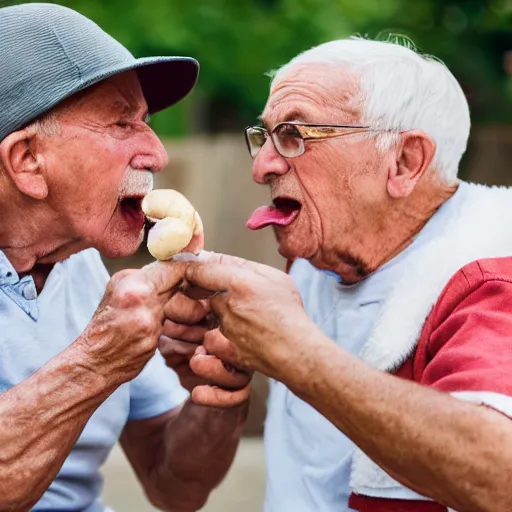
131, 209
283, 212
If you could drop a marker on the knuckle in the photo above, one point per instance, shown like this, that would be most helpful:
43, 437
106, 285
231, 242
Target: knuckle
238, 307
170, 328
123, 274
211, 338
165, 344
144, 321
135, 292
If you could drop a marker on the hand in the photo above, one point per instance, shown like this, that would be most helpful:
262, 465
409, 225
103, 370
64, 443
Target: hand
124, 331
259, 309
188, 325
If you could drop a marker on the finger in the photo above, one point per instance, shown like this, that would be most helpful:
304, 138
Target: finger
227, 259
195, 292
195, 245
183, 310
216, 272
213, 396
176, 348
211, 278
208, 257
215, 343
165, 275
213, 370
188, 333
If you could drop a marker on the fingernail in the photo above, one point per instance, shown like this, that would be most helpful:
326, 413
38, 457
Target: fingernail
185, 256
200, 351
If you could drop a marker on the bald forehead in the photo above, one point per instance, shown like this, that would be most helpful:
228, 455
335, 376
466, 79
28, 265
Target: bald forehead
313, 93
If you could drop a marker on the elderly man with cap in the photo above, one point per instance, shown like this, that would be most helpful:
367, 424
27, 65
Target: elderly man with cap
387, 393
78, 369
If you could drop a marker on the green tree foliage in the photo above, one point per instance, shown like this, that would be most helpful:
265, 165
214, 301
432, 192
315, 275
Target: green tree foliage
238, 41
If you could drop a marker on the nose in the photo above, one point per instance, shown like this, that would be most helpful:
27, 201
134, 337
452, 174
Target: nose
152, 155
268, 163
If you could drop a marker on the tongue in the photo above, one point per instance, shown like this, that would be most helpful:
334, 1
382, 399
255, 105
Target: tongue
267, 215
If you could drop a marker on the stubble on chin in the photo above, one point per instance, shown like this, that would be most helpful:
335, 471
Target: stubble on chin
117, 242
361, 269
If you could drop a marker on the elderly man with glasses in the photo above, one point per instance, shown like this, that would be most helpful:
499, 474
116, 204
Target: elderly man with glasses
386, 393
78, 369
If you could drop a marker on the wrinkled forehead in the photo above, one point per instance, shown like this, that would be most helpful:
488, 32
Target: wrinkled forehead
117, 95
313, 93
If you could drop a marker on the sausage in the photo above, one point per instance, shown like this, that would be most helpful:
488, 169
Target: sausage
178, 225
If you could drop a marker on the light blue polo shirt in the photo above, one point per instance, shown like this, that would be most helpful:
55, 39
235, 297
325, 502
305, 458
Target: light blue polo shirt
308, 458
33, 329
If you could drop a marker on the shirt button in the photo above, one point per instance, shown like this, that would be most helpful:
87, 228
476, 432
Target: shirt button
29, 292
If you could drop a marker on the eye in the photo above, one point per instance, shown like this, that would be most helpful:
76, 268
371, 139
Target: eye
123, 124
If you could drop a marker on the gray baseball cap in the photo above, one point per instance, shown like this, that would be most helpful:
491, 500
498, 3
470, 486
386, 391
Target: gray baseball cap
49, 52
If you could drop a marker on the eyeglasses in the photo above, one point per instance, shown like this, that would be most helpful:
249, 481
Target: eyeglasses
289, 137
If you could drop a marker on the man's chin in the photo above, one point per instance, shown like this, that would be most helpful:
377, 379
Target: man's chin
122, 248
293, 249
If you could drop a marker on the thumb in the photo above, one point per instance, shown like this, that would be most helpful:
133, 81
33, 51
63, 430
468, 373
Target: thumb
165, 275
224, 259
213, 273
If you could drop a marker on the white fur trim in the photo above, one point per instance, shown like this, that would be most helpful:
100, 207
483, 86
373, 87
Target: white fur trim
502, 403
482, 228
370, 480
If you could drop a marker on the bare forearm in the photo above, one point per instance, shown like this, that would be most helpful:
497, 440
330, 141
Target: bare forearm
200, 444
457, 453
40, 421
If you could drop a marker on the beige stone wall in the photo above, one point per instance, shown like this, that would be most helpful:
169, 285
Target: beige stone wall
215, 174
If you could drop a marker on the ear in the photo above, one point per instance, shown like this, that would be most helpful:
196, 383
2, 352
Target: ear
22, 165
415, 154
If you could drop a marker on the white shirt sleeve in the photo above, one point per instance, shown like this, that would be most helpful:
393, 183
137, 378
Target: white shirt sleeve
155, 390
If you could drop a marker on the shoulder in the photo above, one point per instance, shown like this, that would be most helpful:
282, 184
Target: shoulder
88, 261
474, 306
480, 288
490, 269
85, 272
478, 278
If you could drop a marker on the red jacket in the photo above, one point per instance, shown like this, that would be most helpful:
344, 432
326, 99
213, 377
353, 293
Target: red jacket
465, 347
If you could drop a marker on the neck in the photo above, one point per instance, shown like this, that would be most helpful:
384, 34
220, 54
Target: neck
391, 231
34, 241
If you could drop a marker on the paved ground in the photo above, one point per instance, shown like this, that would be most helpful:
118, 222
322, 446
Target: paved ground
241, 491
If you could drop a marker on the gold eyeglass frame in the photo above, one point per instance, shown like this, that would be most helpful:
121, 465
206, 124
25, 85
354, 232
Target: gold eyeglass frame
309, 132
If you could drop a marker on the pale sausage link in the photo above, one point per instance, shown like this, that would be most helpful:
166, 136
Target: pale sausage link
176, 223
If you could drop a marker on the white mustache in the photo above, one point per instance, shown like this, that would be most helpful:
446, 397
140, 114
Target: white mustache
136, 183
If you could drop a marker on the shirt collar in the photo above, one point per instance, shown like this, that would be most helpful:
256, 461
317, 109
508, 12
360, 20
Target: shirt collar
21, 291
7, 273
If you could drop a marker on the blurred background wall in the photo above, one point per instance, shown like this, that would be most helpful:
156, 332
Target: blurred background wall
237, 42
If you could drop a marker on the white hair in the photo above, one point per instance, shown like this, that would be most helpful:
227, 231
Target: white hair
48, 124
402, 90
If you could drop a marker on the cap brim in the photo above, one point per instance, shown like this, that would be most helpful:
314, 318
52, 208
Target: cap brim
166, 80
